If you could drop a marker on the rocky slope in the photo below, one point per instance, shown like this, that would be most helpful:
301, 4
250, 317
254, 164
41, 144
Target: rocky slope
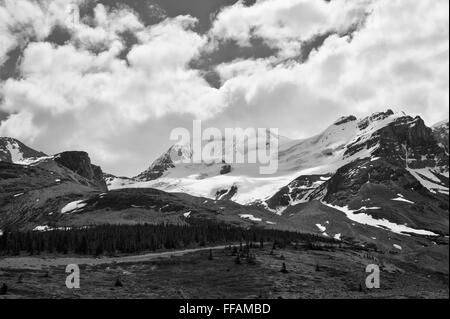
440, 132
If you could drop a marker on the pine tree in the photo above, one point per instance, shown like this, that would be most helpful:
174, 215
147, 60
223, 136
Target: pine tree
118, 283
4, 289
283, 269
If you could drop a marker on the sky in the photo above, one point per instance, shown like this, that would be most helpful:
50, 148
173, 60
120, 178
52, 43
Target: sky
115, 77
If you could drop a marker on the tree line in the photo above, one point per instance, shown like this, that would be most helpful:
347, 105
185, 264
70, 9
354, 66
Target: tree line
112, 239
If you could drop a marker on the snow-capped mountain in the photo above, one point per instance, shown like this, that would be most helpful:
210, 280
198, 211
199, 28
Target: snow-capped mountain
304, 165
14, 151
380, 180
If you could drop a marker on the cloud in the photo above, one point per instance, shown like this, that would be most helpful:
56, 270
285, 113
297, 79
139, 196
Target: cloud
87, 95
397, 59
77, 98
22, 20
286, 24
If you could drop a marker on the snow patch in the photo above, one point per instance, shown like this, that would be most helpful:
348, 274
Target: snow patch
251, 217
321, 228
401, 199
73, 206
365, 219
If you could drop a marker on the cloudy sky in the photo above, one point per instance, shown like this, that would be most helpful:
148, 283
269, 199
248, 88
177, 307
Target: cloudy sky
114, 77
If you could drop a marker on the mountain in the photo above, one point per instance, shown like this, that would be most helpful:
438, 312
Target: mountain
380, 182
32, 182
440, 132
303, 164
14, 151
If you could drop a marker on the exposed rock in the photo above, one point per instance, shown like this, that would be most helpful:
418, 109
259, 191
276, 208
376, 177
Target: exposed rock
12, 150
345, 119
226, 194
225, 169
440, 133
80, 163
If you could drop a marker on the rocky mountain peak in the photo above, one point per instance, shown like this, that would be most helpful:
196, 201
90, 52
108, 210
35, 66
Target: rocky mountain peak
80, 163
14, 151
345, 119
440, 133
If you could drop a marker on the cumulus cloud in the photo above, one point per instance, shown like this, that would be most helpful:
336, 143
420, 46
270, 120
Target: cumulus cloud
21, 20
75, 98
397, 59
286, 24
86, 95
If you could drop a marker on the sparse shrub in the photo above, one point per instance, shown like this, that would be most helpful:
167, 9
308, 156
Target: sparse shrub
3, 289
210, 257
118, 283
251, 259
283, 269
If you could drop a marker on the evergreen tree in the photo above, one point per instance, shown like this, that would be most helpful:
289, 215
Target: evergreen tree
283, 269
3, 289
118, 283
210, 257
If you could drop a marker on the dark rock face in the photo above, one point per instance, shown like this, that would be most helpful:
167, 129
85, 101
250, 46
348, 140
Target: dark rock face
226, 169
405, 139
367, 183
157, 169
226, 194
440, 133
80, 163
297, 190
345, 119
25, 151
374, 117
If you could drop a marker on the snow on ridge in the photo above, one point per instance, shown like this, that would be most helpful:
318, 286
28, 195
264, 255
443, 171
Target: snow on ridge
321, 228
73, 206
401, 199
428, 180
251, 217
367, 219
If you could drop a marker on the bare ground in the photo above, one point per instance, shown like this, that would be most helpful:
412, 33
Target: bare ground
190, 274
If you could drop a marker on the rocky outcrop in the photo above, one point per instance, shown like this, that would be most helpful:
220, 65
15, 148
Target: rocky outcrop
440, 133
80, 163
157, 169
404, 140
295, 192
345, 119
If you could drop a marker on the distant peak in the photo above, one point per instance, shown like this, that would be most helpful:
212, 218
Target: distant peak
345, 119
